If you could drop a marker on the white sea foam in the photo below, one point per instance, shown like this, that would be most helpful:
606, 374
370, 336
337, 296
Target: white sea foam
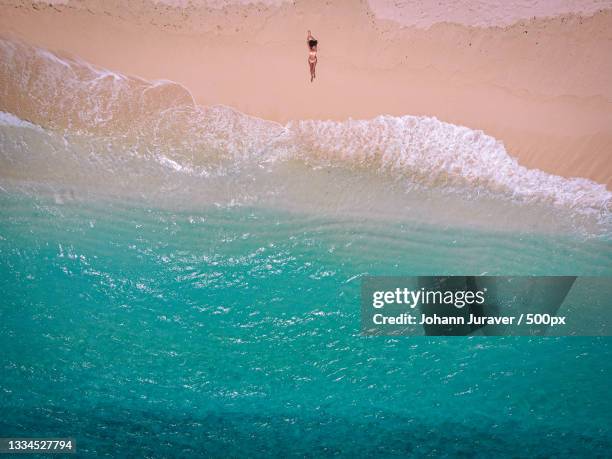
480, 13
160, 121
276, 169
8, 119
437, 154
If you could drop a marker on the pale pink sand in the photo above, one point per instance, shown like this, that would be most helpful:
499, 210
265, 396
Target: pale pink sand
542, 86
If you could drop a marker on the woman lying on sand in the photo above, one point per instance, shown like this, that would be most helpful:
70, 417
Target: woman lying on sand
312, 54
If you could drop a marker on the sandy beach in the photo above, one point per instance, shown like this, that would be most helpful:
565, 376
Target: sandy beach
542, 86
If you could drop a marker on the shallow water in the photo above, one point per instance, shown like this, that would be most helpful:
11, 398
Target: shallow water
235, 332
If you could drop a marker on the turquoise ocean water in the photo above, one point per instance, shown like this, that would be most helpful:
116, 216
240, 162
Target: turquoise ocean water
184, 281
235, 332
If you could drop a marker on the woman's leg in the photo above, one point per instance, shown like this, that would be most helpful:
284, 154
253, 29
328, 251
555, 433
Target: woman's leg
311, 64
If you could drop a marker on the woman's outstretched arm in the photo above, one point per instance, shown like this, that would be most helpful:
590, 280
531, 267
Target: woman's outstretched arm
310, 37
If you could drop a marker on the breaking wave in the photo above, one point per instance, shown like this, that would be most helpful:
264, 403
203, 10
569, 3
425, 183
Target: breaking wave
160, 120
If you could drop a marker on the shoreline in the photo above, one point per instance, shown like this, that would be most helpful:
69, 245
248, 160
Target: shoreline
553, 77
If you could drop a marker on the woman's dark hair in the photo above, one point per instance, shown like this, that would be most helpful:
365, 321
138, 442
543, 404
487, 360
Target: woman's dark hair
312, 43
